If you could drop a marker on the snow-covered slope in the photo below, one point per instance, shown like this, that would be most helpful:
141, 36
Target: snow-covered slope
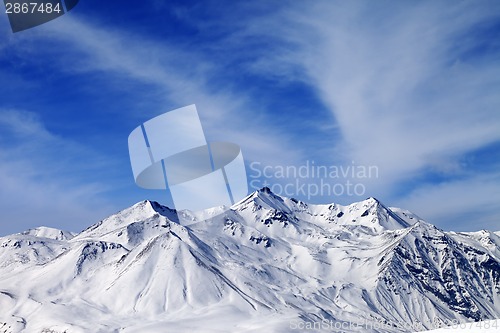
269, 262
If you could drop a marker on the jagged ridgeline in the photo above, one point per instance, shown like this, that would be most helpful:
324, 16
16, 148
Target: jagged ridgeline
268, 263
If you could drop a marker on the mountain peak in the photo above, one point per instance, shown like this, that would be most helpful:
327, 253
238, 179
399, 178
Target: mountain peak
373, 200
51, 233
165, 211
267, 256
368, 216
267, 193
265, 190
141, 211
263, 198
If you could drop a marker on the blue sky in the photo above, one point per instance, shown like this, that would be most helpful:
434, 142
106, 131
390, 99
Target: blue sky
409, 87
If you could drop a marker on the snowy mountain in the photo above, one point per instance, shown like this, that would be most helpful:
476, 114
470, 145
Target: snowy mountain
268, 262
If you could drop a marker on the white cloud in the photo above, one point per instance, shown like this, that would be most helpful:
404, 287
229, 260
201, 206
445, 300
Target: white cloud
397, 78
462, 205
398, 94
44, 171
182, 76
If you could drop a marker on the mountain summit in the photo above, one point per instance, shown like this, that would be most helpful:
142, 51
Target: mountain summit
268, 262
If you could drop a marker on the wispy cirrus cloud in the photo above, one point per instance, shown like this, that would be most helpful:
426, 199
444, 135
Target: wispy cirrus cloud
53, 173
467, 204
176, 76
412, 87
408, 87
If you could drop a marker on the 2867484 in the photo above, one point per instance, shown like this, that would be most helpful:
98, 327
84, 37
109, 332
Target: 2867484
32, 8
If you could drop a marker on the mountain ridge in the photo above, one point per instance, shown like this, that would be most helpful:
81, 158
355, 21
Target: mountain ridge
266, 261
